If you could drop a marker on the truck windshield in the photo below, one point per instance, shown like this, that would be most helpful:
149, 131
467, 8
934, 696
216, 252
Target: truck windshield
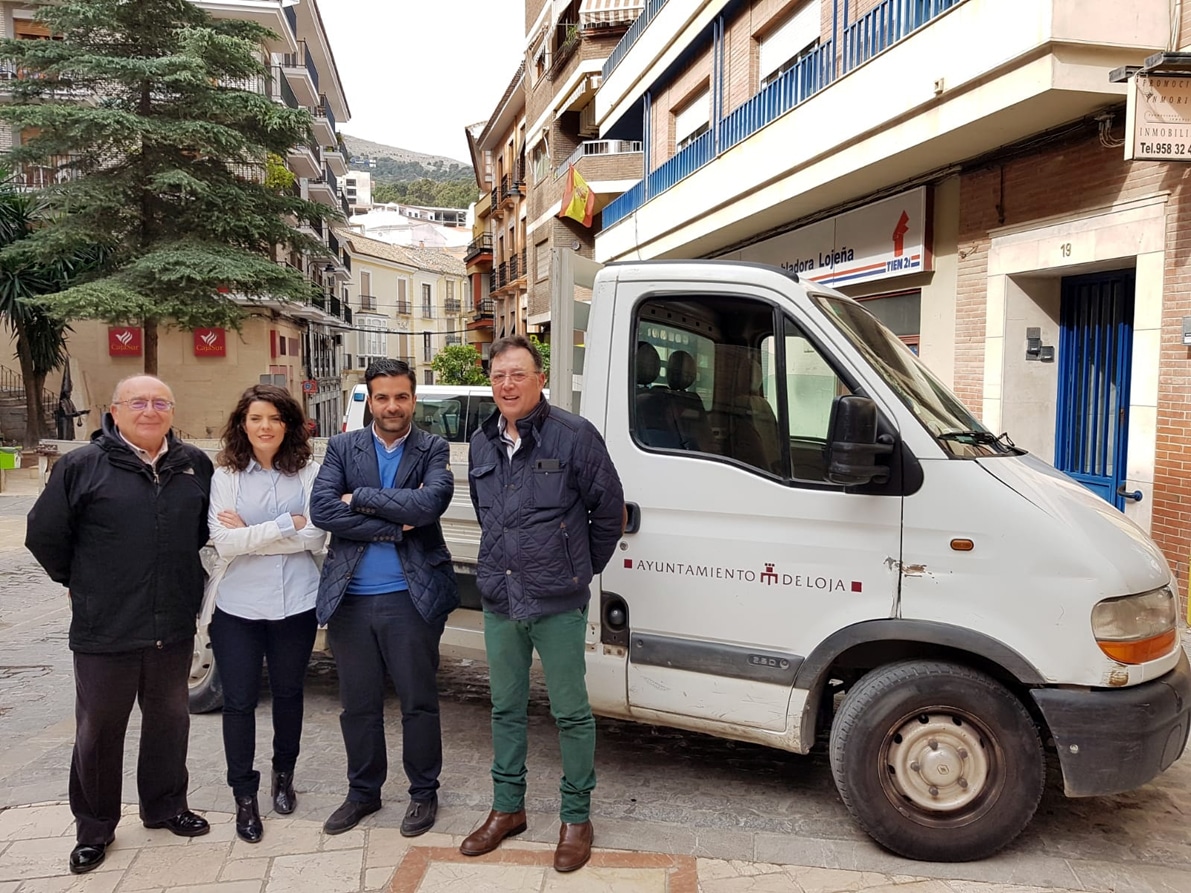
940, 411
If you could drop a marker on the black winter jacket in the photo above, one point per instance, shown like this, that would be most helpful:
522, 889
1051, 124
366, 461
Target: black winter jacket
420, 494
125, 541
550, 518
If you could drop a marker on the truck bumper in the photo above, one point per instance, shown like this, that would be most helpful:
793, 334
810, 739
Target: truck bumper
1115, 740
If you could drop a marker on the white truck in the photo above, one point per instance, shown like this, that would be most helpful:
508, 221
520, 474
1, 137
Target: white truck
824, 544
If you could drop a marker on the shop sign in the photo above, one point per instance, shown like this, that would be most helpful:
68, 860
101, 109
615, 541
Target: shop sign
1158, 118
210, 342
882, 240
124, 341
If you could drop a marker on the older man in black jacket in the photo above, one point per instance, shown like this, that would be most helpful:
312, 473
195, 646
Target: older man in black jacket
120, 524
386, 589
551, 510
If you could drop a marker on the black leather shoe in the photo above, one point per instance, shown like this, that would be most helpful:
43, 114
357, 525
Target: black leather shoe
248, 819
184, 824
419, 817
348, 815
285, 800
87, 856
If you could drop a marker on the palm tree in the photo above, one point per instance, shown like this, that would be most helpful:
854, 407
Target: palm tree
40, 337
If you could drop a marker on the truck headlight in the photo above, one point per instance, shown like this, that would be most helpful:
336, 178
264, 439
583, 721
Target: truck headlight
1137, 628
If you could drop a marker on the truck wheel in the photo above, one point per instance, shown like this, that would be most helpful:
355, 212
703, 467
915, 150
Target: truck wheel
937, 761
206, 691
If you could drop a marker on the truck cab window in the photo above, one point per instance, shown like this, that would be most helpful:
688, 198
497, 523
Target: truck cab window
710, 379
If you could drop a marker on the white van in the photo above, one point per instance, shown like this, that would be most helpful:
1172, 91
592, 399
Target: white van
451, 411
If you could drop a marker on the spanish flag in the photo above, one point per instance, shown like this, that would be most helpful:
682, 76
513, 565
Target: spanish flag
578, 201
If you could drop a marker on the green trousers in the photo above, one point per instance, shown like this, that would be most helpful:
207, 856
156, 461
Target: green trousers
510, 644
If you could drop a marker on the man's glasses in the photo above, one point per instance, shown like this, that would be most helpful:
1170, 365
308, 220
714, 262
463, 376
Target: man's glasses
140, 404
517, 377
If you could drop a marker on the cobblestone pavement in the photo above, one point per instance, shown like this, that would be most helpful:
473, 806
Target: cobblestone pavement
752, 819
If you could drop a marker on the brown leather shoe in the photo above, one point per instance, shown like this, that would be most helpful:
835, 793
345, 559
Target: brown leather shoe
574, 846
496, 828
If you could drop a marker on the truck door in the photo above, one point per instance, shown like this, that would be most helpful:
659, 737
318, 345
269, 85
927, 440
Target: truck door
745, 557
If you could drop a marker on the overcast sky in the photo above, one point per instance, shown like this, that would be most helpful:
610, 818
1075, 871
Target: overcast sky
416, 72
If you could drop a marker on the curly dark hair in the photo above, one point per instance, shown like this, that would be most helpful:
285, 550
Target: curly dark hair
295, 446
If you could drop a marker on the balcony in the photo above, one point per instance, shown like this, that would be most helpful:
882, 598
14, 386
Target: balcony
453, 339
1037, 64
59, 169
273, 14
324, 123
367, 302
402, 308
299, 69
494, 200
303, 160
279, 89
336, 160
510, 190
486, 310
427, 311
567, 42
605, 161
478, 247
318, 189
452, 307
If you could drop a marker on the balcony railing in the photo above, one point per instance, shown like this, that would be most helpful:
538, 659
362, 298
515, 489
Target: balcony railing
513, 269
367, 302
302, 59
569, 35
453, 339
403, 308
477, 246
427, 311
510, 188
280, 90
888, 23
323, 110
500, 277
598, 147
345, 205
451, 306
652, 7
329, 177
805, 78
59, 169
487, 309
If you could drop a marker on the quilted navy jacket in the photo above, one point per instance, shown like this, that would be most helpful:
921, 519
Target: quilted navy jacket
550, 518
421, 493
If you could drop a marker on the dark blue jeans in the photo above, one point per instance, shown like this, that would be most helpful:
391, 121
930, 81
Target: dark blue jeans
371, 635
240, 647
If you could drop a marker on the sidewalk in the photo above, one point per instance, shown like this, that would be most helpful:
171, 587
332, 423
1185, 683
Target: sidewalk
296, 857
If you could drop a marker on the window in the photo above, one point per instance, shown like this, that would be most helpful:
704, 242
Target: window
692, 121
713, 378
373, 340
402, 296
428, 376
901, 313
366, 289
781, 48
427, 346
427, 301
541, 261
540, 160
450, 289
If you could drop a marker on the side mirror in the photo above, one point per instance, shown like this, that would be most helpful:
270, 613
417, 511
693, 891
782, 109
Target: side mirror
852, 447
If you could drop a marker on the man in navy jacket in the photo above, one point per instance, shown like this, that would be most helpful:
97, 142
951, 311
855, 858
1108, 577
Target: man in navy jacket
551, 510
387, 587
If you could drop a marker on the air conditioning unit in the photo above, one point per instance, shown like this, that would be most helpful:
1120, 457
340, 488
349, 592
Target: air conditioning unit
587, 123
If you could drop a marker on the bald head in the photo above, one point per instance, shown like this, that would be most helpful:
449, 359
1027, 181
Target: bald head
143, 410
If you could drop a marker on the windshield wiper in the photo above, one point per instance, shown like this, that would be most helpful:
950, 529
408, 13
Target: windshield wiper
982, 438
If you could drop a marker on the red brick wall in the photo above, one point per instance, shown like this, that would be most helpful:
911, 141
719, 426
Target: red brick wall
1070, 180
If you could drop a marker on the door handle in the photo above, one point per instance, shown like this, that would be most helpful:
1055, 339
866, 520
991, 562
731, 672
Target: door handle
1135, 496
632, 517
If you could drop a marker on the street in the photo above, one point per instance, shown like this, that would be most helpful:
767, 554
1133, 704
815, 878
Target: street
659, 789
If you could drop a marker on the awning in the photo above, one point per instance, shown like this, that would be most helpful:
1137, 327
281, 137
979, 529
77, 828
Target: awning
610, 12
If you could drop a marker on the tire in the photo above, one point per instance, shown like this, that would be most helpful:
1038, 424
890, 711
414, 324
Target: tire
206, 689
937, 761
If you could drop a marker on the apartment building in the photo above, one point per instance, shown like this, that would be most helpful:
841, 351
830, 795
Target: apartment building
958, 166
411, 305
496, 256
298, 347
567, 46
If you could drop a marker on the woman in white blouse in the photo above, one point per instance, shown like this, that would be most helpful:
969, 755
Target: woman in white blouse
263, 588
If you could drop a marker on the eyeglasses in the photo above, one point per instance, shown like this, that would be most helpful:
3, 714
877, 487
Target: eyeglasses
140, 404
518, 377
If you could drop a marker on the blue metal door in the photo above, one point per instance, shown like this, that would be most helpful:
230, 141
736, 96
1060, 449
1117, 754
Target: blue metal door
1095, 352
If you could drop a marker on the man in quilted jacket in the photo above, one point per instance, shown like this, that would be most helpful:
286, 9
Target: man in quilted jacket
387, 586
551, 510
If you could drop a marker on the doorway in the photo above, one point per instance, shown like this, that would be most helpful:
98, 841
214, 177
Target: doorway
1095, 357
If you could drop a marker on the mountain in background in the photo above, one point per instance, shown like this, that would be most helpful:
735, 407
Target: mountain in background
402, 175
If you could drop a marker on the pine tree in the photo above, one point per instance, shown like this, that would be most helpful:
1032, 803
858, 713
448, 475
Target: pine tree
149, 115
